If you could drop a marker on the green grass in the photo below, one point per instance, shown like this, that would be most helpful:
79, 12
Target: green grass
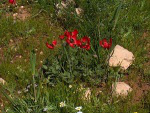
126, 22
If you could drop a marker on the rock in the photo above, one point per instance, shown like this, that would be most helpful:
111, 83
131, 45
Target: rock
87, 94
121, 89
79, 11
121, 57
2, 81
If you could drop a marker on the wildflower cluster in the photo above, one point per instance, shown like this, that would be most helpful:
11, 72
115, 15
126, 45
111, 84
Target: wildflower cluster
75, 59
84, 43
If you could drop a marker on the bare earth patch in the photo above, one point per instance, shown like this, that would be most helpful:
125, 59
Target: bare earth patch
23, 14
140, 88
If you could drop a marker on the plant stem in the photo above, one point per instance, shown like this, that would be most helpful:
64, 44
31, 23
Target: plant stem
68, 60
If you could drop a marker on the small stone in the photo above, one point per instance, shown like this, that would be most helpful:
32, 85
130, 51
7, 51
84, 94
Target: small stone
87, 93
20, 56
15, 14
79, 11
11, 41
2, 81
15, 49
121, 57
95, 56
36, 49
22, 7
41, 53
121, 89
63, 4
25, 60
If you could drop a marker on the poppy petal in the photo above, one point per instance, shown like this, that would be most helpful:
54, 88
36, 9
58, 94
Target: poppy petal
67, 34
49, 45
61, 36
75, 32
54, 42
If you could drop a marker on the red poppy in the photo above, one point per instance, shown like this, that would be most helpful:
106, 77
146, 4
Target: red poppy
69, 34
12, 1
71, 37
51, 46
84, 43
71, 40
62, 36
103, 43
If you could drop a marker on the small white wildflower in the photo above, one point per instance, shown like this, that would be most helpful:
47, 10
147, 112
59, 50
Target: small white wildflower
29, 110
35, 85
70, 86
26, 90
62, 104
78, 108
28, 86
79, 112
45, 109
10, 96
95, 56
7, 110
2, 105
19, 92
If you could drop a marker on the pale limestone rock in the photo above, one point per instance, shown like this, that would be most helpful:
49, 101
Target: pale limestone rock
2, 81
79, 11
121, 89
121, 57
87, 93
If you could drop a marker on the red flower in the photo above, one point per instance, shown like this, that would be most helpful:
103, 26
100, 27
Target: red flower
103, 43
51, 46
71, 38
84, 43
69, 34
12, 1
62, 36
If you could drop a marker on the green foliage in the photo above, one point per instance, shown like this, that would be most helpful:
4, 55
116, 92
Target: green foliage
124, 21
71, 64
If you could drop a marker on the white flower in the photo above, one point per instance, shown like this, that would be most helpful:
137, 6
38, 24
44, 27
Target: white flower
28, 86
79, 112
26, 90
70, 86
62, 104
78, 108
19, 92
45, 109
35, 85
29, 110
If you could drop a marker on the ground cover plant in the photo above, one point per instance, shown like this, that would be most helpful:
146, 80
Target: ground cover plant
54, 56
